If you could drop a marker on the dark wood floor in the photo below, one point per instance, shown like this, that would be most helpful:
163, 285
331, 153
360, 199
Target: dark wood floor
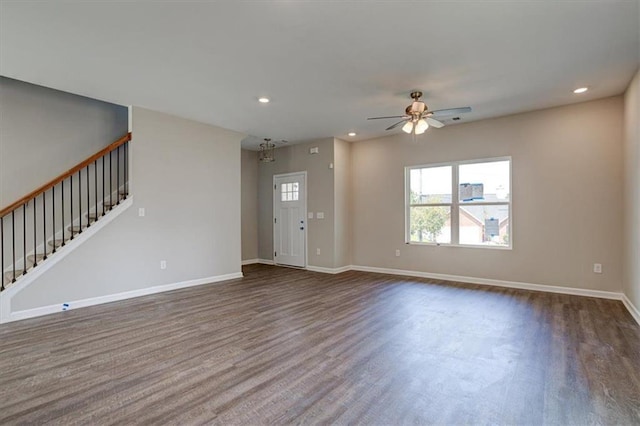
289, 346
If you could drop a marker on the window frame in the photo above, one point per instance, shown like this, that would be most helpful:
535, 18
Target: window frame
455, 203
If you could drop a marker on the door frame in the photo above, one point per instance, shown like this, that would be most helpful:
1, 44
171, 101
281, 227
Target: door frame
306, 217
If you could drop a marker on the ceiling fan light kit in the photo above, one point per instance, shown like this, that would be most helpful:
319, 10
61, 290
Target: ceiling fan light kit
417, 118
408, 128
420, 127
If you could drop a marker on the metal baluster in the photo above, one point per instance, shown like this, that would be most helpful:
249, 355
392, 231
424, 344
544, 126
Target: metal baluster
103, 198
118, 175
95, 187
13, 238
110, 180
79, 202
44, 226
62, 202
126, 169
71, 202
24, 238
53, 209
88, 186
35, 244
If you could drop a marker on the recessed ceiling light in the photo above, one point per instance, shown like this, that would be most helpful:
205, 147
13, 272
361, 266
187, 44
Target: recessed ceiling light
352, 133
263, 100
581, 90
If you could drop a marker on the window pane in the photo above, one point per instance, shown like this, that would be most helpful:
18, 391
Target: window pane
485, 225
484, 182
283, 196
295, 196
430, 224
430, 185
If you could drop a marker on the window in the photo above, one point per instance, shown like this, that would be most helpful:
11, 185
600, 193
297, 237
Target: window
289, 191
462, 203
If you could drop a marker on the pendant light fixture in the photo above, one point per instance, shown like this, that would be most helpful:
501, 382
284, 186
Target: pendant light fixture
266, 151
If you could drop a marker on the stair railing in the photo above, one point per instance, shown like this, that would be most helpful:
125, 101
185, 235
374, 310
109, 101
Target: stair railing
53, 214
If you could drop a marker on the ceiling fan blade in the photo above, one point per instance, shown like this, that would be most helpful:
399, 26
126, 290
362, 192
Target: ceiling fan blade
450, 111
393, 126
434, 123
391, 116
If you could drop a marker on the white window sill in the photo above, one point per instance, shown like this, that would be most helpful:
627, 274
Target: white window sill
474, 246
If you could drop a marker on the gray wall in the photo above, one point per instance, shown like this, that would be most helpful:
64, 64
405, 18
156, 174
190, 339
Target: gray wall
342, 193
249, 204
44, 132
632, 192
567, 196
320, 198
187, 177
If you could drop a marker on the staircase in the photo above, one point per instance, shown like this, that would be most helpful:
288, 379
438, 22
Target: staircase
39, 225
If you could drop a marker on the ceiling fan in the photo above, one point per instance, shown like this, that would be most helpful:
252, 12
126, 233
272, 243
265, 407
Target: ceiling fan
418, 118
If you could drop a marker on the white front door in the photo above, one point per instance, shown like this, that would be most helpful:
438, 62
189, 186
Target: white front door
290, 219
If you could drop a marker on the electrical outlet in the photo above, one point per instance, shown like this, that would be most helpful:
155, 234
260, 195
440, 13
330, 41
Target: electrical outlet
318, 252
163, 264
597, 268
141, 212
397, 252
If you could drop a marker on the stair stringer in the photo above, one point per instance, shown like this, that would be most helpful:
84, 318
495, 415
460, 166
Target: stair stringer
61, 253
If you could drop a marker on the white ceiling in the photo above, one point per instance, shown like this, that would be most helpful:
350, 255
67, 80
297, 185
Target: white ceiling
326, 65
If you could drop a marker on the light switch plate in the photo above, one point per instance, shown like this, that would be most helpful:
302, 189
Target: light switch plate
310, 215
141, 212
320, 215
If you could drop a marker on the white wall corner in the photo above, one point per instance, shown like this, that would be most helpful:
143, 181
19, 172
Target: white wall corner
633, 310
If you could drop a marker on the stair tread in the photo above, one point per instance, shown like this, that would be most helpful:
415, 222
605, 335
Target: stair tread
38, 256
57, 242
8, 276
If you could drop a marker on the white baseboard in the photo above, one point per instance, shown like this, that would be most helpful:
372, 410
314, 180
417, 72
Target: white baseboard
498, 283
633, 310
254, 261
329, 270
46, 310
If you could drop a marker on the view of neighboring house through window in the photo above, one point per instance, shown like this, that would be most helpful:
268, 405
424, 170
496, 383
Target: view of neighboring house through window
461, 203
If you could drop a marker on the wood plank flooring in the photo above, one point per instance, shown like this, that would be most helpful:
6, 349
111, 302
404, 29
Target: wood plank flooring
288, 346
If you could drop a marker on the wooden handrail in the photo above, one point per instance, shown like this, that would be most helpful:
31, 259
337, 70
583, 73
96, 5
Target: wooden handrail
126, 138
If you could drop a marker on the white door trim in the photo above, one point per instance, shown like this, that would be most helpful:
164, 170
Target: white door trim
306, 218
